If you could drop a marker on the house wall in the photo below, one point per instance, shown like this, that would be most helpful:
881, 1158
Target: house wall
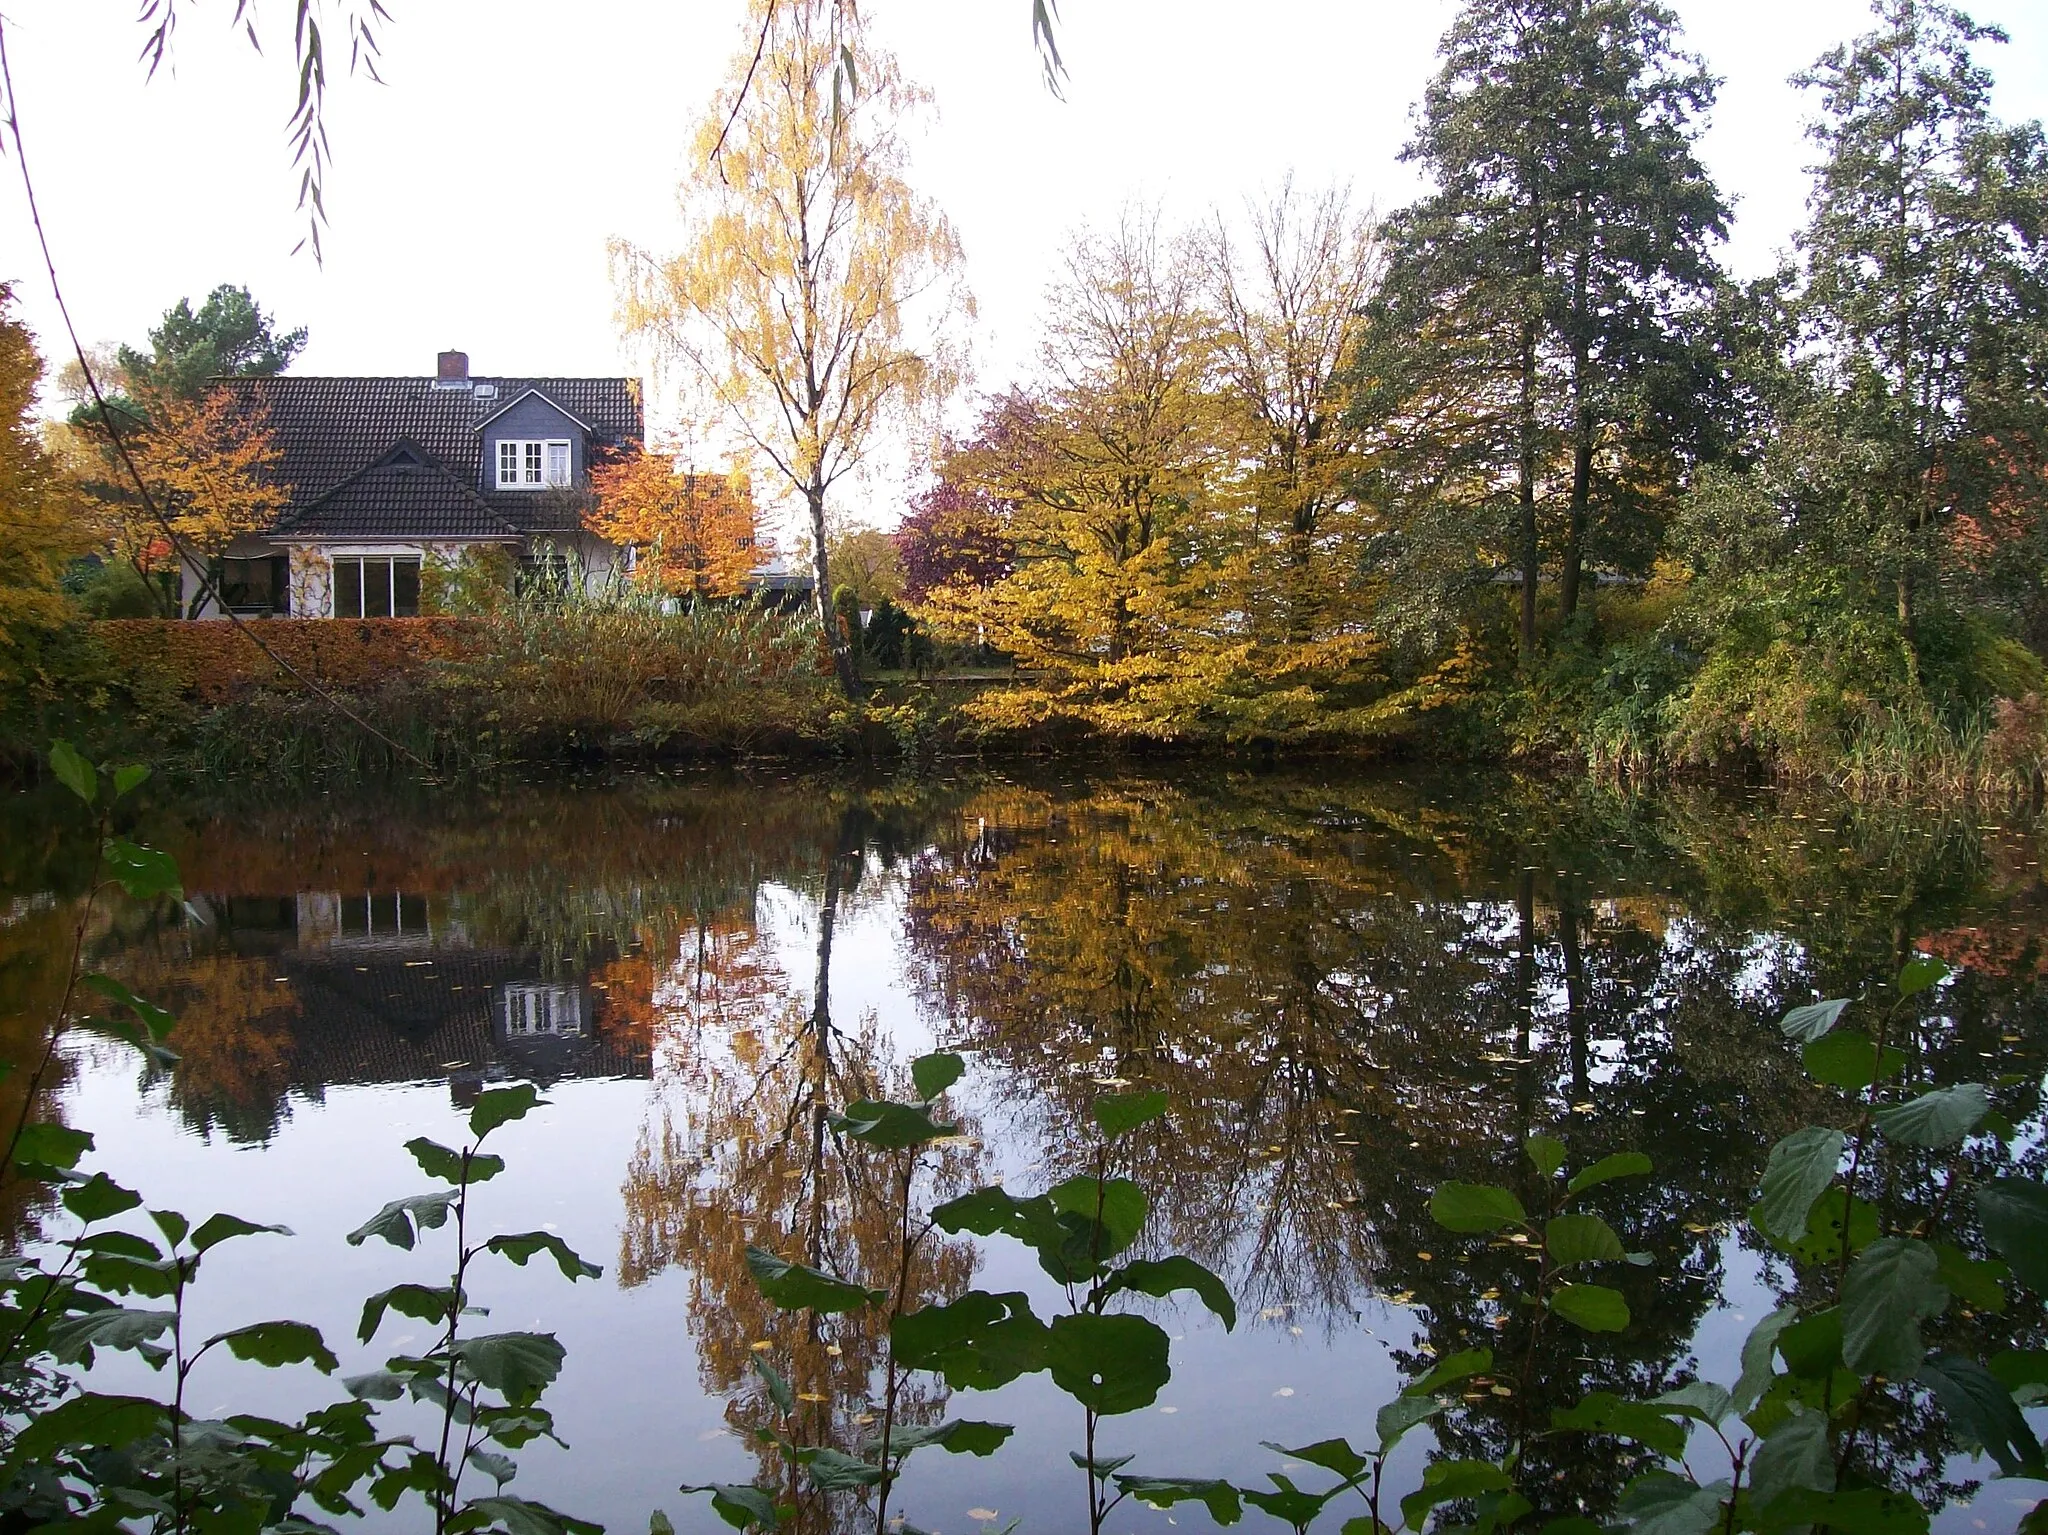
532, 417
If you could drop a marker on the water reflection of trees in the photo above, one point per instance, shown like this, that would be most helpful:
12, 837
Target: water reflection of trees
1353, 996
743, 1153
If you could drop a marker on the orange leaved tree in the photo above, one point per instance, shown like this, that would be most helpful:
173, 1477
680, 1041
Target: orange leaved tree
694, 534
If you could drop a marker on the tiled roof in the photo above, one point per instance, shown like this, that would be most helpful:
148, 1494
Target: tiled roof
402, 496
329, 430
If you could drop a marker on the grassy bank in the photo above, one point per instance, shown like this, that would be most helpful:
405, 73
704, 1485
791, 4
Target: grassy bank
541, 687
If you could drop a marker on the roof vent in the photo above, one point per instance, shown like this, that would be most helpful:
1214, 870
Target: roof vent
451, 370
485, 391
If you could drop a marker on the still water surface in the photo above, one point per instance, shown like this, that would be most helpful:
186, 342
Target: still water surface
1352, 989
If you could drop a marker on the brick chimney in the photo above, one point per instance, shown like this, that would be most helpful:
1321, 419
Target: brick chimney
451, 370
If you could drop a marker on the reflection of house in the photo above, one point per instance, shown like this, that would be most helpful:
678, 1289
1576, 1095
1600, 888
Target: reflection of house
389, 987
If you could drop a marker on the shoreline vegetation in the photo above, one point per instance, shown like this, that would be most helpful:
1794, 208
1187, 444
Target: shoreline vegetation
543, 684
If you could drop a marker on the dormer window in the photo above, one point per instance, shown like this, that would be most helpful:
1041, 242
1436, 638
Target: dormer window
528, 464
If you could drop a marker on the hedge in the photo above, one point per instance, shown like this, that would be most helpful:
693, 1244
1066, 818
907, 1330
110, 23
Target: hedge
211, 661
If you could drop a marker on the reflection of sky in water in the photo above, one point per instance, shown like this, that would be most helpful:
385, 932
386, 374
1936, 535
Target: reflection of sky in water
630, 1400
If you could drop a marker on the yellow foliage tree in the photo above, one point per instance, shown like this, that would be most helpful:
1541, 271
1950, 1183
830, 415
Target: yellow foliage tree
1114, 471
38, 534
1292, 307
791, 303
695, 534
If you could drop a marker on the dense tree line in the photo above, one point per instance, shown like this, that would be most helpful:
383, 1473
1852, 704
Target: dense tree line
1523, 466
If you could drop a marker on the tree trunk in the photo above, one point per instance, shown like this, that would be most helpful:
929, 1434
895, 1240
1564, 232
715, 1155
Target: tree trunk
821, 581
1909, 627
1526, 490
1582, 428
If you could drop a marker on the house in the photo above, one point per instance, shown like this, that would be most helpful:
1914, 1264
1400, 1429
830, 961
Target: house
389, 473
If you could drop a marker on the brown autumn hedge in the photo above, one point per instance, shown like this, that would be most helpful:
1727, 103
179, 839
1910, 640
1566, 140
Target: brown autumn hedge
210, 661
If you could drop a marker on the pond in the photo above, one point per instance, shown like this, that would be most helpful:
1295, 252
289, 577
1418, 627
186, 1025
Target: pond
1352, 988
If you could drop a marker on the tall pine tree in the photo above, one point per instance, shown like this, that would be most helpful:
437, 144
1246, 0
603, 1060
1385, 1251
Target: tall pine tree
1536, 302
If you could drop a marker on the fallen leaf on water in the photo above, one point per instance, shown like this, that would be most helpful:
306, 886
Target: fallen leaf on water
983, 1514
1425, 1257
1285, 1391
834, 1350
762, 1347
1295, 1330
1503, 1391
1163, 1409
812, 1396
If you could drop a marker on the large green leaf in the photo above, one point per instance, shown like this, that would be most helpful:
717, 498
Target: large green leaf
1547, 1152
129, 777
72, 1339
1814, 1019
99, 1198
933, 1074
1117, 1204
1976, 1282
1812, 1345
401, 1221
1117, 1113
1659, 1503
1833, 1221
956, 1436
158, 1021
793, 1287
1162, 1277
2014, 1214
1451, 1369
1944, 1117
88, 1421
993, 1211
1795, 1454
1921, 974
1331, 1454
780, 1392
1605, 1413
438, 1161
1447, 1481
1801, 1165
1288, 1503
891, 1126
73, 771
742, 1506
1590, 1306
519, 1516
144, 872
422, 1302
835, 1471
501, 1105
280, 1343
520, 1365
1110, 1363
1982, 1412
1221, 1499
1887, 1292
1622, 1164
519, 1248
1759, 1349
1475, 1207
978, 1342
1700, 1400
216, 1229
1573, 1239
1392, 1422
1850, 1060
46, 1144
1866, 1511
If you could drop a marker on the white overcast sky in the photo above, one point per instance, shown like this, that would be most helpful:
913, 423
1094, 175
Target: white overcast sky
473, 194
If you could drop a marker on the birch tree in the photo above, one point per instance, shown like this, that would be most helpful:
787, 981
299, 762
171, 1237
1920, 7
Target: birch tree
1291, 305
812, 297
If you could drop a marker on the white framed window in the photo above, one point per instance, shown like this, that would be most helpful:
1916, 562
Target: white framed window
532, 463
376, 586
